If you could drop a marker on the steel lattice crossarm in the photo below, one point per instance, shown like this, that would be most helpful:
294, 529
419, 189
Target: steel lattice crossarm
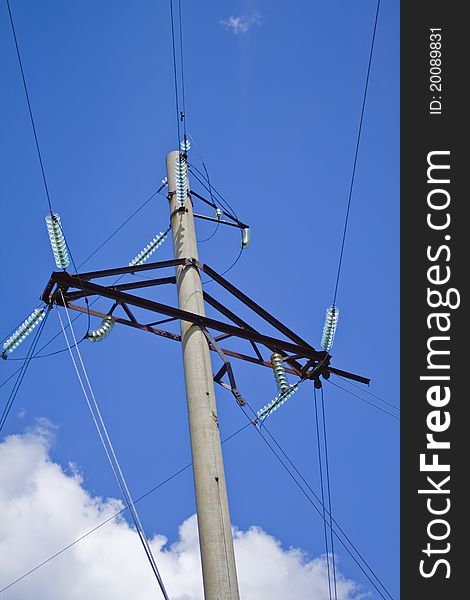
302, 359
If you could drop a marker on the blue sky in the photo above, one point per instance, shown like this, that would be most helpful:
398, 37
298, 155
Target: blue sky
274, 111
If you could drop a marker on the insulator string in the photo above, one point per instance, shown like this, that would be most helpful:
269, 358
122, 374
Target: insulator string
22, 372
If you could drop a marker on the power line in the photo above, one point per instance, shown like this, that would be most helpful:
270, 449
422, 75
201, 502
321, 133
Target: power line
36, 140
109, 450
228, 268
337, 528
112, 517
99, 247
17, 327
363, 399
325, 525
209, 237
328, 488
131, 216
21, 373
222, 200
175, 71
182, 69
29, 108
356, 154
367, 391
196, 147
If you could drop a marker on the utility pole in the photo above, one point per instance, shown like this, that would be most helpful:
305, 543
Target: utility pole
215, 535
293, 354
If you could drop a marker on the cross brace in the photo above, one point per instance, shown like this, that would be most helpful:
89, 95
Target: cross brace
74, 287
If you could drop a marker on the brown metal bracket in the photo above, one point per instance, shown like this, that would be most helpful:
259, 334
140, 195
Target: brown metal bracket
294, 349
226, 368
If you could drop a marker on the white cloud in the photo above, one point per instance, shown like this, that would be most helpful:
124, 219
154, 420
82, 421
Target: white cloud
242, 23
44, 508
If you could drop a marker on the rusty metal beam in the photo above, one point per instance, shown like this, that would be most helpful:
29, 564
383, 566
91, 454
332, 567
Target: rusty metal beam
172, 336
65, 281
166, 334
128, 312
348, 375
253, 305
134, 285
135, 269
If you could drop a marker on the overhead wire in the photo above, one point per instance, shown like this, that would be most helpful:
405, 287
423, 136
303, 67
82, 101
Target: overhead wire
337, 529
322, 492
35, 135
109, 449
356, 152
363, 399
196, 147
116, 514
129, 218
101, 245
175, 75
209, 237
367, 391
183, 117
198, 174
31, 116
22, 372
328, 488
17, 326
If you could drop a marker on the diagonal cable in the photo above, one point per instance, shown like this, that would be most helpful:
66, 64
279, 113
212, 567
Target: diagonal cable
322, 492
356, 152
109, 450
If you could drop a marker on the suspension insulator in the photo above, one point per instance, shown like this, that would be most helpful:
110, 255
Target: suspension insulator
277, 402
149, 249
185, 146
56, 237
329, 328
102, 332
246, 237
23, 331
181, 174
279, 371
219, 213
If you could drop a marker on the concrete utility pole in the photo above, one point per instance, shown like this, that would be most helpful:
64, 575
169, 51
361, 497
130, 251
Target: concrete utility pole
215, 535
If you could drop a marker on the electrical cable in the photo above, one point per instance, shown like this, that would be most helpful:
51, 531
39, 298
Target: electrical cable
196, 147
216, 229
320, 463
22, 372
36, 139
183, 118
175, 72
363, 399
337, 525
228, 269
109, 450
17, 326
368, 392
137, 210
337, 528
112, 517
29, 107
49, 354
221, 198
356, 154
195, 171
93, 301
328, 488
